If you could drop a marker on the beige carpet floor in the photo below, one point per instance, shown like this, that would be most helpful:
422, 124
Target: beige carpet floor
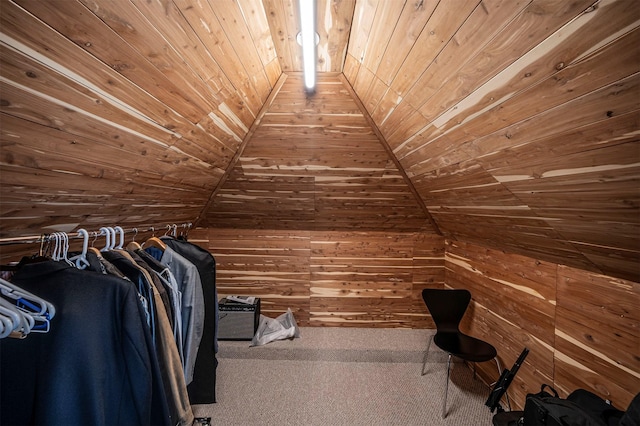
343, 376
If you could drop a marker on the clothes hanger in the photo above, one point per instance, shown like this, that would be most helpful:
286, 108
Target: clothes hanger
5, 329
56, 240
60, 249
10, 321
114, 238
92, 249
25, 322
16, 321
133, 245
25, 300
30, 313
65, 249
107, 234
81, 261
121, 232
155, 241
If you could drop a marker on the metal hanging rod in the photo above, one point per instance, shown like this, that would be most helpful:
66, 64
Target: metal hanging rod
38, 239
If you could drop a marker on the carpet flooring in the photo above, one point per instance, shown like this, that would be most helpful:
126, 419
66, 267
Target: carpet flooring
343, 376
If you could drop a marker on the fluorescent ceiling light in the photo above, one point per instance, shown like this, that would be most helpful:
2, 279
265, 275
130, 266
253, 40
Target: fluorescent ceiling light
308, 35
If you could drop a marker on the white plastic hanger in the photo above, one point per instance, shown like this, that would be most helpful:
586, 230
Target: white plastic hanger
114, 237
26, 300
4, 327
65, 247
26, 312
56, 241
121, 232
105, 231
24, 322
9, 321
81, 261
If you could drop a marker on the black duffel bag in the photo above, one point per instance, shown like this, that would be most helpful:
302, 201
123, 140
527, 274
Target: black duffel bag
580, 408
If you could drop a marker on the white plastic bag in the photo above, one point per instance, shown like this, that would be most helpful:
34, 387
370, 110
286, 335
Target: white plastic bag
269, 329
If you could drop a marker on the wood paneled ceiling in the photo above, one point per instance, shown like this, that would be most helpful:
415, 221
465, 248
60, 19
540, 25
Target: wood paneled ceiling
513, 124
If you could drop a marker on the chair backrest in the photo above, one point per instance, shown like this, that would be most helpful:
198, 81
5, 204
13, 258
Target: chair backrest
447, 307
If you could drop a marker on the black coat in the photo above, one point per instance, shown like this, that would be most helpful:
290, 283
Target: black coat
202, 390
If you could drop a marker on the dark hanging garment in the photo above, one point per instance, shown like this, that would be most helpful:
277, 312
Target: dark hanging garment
202, 390
133, 273
169, 360
95, 365
157, 283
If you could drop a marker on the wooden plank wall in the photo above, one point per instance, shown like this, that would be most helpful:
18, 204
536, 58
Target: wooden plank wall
358, 279
314, 163
597, 336
583, 329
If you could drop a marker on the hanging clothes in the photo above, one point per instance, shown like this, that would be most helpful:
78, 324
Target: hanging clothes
188, 279
95, 366
170, 362
157, 282
175, 295
202, 390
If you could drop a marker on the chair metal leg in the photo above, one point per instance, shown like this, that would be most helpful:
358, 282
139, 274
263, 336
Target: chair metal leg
426, 354
446, 390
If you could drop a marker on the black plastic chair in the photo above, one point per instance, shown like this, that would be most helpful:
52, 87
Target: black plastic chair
447, 307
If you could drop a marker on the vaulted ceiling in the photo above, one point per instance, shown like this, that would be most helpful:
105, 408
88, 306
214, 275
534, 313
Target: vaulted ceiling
512, 124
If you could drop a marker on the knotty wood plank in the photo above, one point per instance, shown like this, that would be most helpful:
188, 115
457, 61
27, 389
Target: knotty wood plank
571, 43
597, 334
352, 182
442, 25
363, 16
530, 28
168, 19
377, 91
528, 236
520, 36
409, 26
616, 98
107, 94
27, 106
90, 33
231, 20
204, 23
273, 72
384, 23
484, 22
25, 72
333, 25
283, 23
526, 286
529, 162
363, 81
559, 87
129, 24
329, 279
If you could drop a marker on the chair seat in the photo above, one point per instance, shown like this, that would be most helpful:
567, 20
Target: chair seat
465, 347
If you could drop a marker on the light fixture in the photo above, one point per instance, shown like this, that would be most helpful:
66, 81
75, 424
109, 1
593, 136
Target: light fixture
308, 41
